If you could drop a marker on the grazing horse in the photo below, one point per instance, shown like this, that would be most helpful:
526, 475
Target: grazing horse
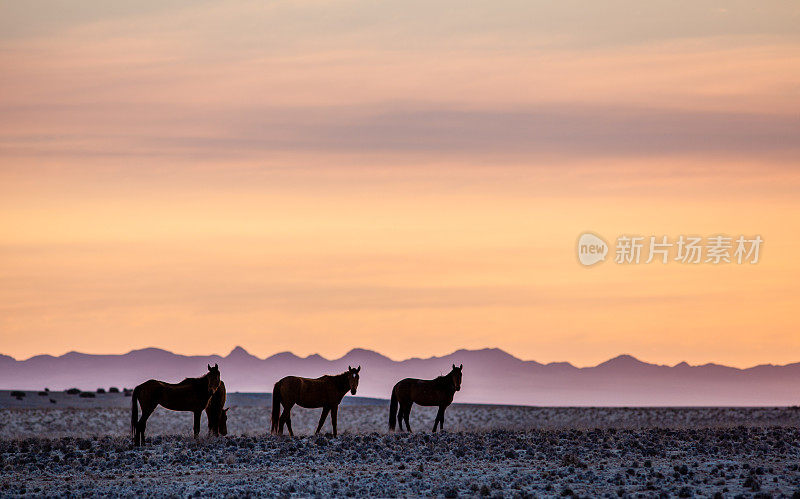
216, 415
326, 392
430, 392
191, 394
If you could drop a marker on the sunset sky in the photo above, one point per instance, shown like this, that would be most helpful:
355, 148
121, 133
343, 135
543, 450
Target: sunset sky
409, 177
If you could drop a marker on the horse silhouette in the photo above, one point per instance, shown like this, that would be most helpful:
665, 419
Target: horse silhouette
326, 392
216, 414
428, 392
191, 394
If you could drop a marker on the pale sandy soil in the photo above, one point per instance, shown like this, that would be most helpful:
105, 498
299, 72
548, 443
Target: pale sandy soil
488, 451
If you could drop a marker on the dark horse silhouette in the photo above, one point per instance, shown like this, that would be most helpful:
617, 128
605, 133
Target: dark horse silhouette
216, 414
326, 392
191, 394
429, 392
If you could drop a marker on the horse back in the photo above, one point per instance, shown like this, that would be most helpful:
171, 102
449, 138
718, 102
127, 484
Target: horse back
423, 392
308, 392
183, 396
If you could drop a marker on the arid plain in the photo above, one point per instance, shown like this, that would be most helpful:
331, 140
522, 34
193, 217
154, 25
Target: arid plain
75, 446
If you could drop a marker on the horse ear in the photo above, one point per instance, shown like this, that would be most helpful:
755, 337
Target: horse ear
349, 368
460, 367
359, 369
454, 366
216, 366
209, 367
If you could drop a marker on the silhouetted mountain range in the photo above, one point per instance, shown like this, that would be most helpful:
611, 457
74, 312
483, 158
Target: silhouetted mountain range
490, 376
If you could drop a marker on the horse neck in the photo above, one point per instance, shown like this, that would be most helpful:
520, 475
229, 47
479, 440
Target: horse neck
341, 383
199, 384
446, 383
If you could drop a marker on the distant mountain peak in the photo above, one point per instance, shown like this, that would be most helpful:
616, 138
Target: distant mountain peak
623, 361
358, 350
149, 350
561, 364
363, 353
491, 354
283, 356
239, 352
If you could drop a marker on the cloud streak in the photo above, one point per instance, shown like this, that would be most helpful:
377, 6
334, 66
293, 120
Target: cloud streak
546, 131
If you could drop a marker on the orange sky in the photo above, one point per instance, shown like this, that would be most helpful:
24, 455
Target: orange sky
316, 176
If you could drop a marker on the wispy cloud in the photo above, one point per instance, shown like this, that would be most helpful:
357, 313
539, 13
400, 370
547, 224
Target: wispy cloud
546, 131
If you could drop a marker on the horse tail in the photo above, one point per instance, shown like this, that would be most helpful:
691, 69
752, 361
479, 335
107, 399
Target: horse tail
134, 409
276, 406
393, 410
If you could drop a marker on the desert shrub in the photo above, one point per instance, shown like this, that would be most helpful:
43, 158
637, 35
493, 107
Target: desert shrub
571, 459
17, 394
42, 394
101, 390
113, 389
87, 395
73, 391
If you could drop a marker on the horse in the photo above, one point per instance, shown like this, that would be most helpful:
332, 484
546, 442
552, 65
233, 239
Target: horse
428, 392
216, 415
191, 394
326, 392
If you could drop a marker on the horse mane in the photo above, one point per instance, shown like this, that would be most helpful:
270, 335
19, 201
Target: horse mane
187, 381
443, 380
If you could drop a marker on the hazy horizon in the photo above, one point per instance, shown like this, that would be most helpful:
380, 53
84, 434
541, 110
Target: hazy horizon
490, 376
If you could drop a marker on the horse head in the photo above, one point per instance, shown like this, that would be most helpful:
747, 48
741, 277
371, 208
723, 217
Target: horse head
352, 378
455, 375
213, 378
223, 422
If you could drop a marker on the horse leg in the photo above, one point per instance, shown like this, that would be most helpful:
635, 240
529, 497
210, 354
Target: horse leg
334, 412
282, 420
141, 425
197, 415
439, 418
285, 419
322, 417
407, 413
289, 424
401, 416
213, 426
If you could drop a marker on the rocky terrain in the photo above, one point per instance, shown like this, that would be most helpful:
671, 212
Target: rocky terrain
487, 451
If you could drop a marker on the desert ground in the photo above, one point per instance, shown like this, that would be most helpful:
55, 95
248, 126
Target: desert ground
82, 446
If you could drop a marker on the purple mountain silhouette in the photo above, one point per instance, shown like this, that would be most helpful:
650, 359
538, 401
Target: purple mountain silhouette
490, 376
